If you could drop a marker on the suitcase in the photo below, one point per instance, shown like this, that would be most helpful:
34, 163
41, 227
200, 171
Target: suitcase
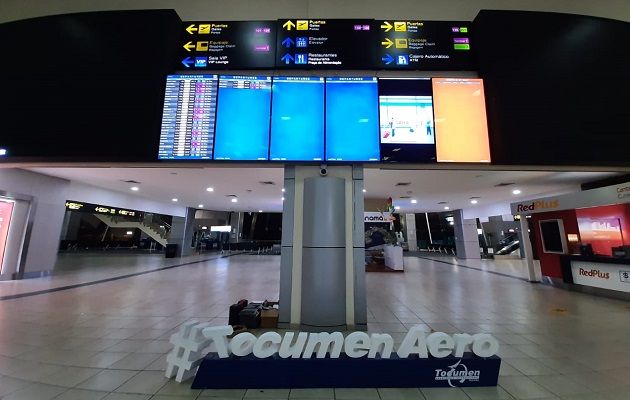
250, 316
235, 309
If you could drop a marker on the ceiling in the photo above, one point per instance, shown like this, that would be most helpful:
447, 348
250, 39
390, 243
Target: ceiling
428, 187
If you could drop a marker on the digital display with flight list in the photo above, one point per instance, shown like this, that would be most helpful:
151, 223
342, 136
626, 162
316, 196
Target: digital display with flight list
297, 119
229, 45
352, 119
331, 43
425, 46
188, 117
243, 112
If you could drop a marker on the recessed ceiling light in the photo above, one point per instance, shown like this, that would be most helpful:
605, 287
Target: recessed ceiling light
473, 201
200, 205
397, 208
135, 188
282, 190
174, 199
210, 189
364, 190
516, 191
414, 201
234, 200
259, 210
129, 232
283, 199
447, 208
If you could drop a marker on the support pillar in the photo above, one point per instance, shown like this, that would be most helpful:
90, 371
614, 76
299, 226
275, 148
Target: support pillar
322, 267
410, 226
182, 233
466, 237
533, 273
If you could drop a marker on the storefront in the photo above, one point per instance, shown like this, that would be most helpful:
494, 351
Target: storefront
583, 239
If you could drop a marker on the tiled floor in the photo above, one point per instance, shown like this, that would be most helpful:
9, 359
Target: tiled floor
109, 340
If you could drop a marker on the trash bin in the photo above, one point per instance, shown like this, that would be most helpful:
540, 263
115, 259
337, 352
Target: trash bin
170, 250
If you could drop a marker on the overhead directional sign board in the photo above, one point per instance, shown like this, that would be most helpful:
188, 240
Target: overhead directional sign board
228, 45
427, 46
330, 43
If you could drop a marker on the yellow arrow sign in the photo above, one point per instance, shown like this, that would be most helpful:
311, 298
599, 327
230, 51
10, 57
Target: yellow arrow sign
191, 29
188, 46
387, 26
288, 25
388, 43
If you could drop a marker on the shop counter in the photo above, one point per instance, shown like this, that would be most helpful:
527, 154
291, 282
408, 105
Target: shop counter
602, 272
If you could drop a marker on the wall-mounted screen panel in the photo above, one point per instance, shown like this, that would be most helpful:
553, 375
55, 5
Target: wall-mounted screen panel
406, 120
424, 45
297, 119
331, 43
552, 235
188, 117
228, 44
461, 126
352, 119
243, 111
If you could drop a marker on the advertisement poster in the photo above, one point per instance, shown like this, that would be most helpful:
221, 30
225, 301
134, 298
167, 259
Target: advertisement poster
6, 209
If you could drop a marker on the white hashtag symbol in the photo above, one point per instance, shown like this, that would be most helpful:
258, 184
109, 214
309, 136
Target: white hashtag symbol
186, 355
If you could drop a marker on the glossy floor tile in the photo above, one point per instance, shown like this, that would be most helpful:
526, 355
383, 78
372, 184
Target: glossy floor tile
103, 330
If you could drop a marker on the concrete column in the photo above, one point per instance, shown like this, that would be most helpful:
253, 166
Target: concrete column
410, 226
182, 232
322, 268
533, 273
466, 239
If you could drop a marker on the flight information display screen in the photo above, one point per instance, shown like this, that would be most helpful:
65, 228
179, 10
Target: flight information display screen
243, 113
352, 119
297, 119
188, 117
407, 128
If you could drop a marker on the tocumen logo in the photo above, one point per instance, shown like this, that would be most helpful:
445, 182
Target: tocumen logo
457, 373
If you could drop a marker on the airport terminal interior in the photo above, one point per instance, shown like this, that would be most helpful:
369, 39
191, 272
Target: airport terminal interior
99, 328
469, 176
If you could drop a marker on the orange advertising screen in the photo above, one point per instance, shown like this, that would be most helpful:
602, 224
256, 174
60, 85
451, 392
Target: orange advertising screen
6, 209
461, 128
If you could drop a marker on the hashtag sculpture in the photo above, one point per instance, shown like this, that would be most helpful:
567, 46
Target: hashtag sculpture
186, 355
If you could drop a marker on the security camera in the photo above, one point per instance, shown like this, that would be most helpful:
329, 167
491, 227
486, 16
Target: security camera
323, 170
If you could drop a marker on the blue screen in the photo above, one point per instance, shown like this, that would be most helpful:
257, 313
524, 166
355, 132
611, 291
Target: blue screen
297, 119
352, 119
242, 127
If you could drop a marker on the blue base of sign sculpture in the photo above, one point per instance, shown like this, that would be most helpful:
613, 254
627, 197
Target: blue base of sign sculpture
344, 372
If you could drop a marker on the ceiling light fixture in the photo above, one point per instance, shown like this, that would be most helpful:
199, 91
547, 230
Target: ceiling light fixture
259, 210
364, 190
473, 201
516, 191
234, 200
135, 188
414, 201
447, 208
283, 199
174, 199
282, 190
397, 208
210, 189
200, 205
